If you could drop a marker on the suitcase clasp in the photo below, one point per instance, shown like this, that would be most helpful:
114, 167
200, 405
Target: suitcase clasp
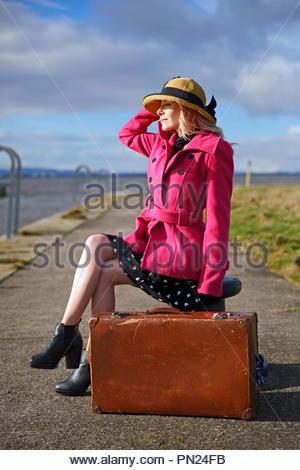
226, 315
220, 315
120, 314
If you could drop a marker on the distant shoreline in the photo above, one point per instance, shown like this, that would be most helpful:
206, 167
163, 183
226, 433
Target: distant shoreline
54, 173
43, 197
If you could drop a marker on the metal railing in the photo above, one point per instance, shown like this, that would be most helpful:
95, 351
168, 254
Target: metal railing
78, 179
102, 180
13, 183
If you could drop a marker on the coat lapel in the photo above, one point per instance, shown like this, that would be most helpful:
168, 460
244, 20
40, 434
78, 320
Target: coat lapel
207, 142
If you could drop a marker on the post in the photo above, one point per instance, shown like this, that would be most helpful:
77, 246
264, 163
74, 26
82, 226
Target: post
77, 177
248, 174
13, 183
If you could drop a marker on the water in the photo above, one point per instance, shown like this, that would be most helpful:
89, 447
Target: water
42, 197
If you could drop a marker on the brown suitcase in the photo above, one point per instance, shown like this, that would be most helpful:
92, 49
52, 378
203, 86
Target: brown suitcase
164, 361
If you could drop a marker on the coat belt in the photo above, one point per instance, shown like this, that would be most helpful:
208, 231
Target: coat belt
180, 217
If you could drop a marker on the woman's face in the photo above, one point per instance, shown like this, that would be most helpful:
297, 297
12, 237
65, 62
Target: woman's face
168, 113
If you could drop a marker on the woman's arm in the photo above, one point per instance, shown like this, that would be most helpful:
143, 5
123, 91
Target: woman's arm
215, 244
134, 134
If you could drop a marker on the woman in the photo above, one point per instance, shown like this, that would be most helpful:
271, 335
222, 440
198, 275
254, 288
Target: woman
172, 255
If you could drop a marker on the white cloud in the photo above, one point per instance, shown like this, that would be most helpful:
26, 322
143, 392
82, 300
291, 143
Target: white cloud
130, 50
53, 150
62, 66
50, 64
270, 87
294, 130
269, 154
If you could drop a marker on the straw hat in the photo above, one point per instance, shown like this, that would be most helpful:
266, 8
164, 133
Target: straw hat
186, 92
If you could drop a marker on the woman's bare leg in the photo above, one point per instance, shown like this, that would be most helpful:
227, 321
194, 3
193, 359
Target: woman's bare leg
103, 299
98, 271
87, 278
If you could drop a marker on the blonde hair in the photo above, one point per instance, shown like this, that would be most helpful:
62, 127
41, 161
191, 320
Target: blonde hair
192, 122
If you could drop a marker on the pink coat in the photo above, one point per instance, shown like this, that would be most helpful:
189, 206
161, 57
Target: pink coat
170, 229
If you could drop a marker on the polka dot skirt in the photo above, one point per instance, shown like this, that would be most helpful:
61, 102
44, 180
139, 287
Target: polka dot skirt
178, 293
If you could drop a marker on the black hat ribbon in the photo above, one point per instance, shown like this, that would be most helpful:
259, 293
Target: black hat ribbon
210, 108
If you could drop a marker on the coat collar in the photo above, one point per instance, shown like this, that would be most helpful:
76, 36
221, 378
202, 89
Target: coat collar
207, 142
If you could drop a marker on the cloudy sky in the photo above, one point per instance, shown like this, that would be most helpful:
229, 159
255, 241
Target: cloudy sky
73, 72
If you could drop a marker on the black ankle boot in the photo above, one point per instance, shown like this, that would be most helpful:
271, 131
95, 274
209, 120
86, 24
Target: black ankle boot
78, 381
66, 341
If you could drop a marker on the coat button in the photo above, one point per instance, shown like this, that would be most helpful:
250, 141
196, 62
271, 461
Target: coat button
153, 159
150, 179
180, 171
163, 146
190, 156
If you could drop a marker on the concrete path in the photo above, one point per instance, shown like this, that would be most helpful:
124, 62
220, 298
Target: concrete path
19, 249
33, 416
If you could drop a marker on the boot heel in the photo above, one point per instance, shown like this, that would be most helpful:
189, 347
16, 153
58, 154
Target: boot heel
73, 358
66, 341
79, 380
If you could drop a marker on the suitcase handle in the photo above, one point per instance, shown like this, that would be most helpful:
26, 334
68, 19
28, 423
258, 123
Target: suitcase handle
162, 310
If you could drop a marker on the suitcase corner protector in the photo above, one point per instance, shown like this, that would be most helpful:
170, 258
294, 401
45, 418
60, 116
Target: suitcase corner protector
93, 322
248, 414
96, 408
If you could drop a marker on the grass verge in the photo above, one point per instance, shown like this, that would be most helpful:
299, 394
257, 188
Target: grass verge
269, 215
